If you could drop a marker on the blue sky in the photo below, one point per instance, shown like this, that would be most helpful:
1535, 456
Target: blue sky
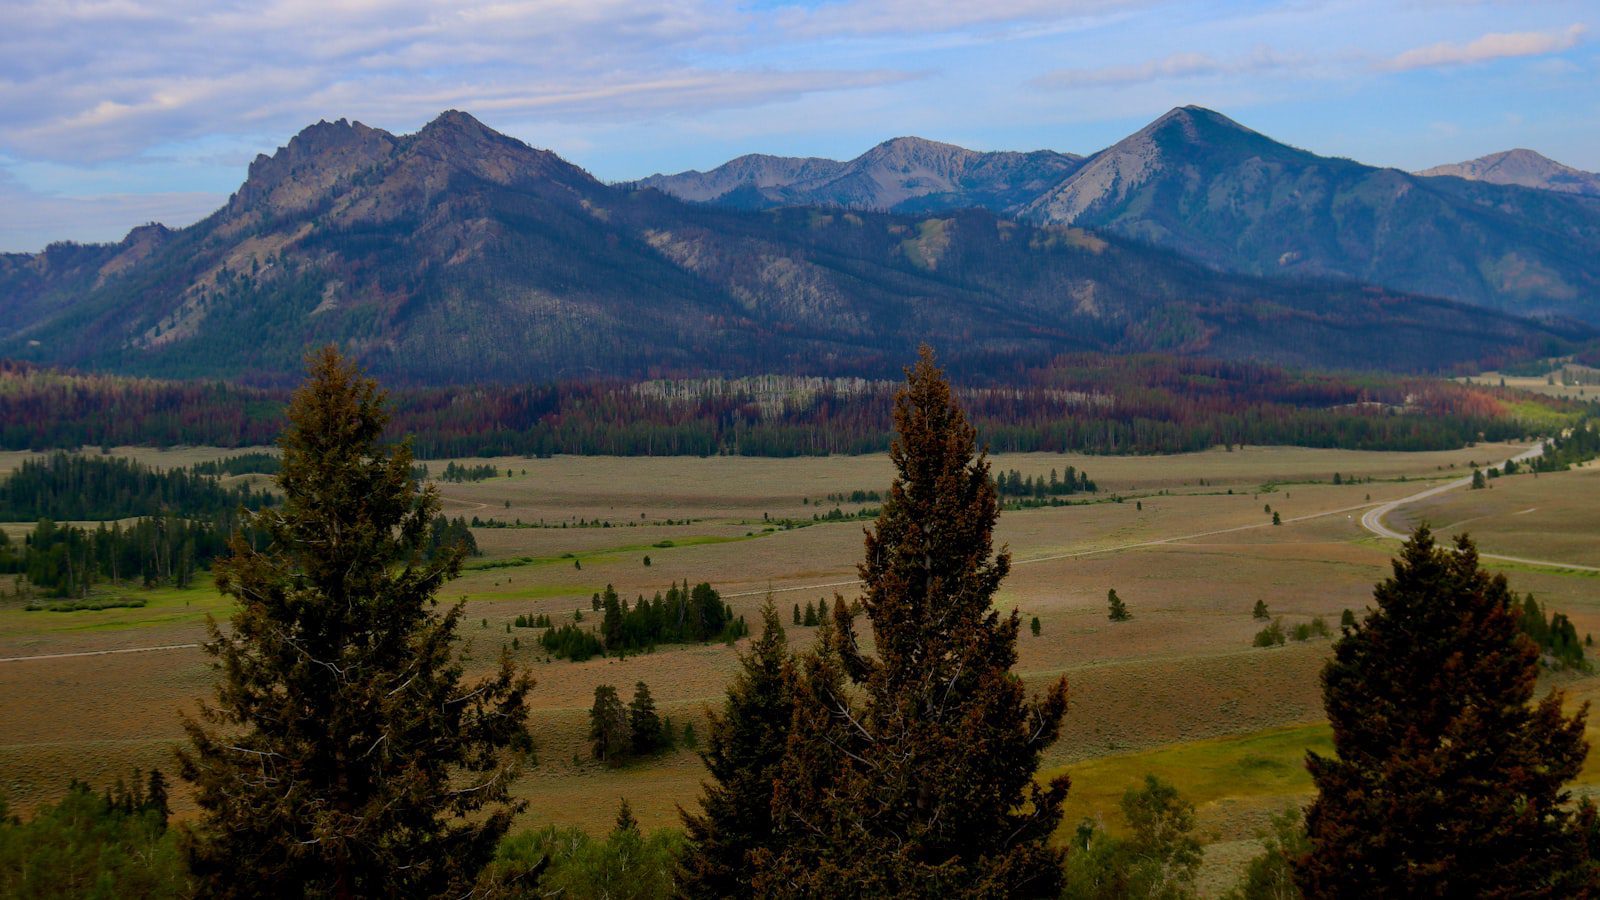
118, 112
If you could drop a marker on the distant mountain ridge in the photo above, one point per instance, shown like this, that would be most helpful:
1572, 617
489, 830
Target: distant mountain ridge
457, 254
1524, 168
904, 174
1199, 183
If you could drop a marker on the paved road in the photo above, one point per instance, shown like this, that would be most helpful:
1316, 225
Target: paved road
1372, 519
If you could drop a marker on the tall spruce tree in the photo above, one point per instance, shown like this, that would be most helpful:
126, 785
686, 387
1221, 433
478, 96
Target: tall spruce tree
1445, 782
925, 786
644, 724
344, 755
609, 734
743, 752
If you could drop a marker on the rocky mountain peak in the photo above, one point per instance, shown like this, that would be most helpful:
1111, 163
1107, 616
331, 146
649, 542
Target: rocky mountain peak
1524, 168
314, 162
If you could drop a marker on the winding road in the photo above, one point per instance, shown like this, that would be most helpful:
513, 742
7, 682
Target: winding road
1372, 519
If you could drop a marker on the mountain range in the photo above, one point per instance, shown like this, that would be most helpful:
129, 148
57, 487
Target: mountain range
458, 254
1197, 182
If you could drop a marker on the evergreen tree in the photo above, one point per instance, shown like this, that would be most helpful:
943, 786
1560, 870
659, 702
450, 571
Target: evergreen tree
927, 786
812, 616
644, 726
608, 725
626, 822
743, 752
155, 795
797, 615
344, 755
1260, 610
1445, 781
1035, 626
1116, 610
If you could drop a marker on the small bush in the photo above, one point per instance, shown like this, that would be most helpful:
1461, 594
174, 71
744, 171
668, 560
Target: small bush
1270, 636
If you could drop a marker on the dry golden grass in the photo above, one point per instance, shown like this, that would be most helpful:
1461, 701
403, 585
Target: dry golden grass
1177, 685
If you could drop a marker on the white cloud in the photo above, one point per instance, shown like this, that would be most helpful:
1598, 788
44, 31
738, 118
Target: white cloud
1489, 47
90, 82
1168, 68
879, 17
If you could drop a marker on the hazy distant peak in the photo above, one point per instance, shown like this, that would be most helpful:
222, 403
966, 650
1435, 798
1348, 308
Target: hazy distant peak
1524, 168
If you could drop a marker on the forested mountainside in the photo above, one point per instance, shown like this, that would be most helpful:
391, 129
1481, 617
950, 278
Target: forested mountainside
457, 254
1205, 186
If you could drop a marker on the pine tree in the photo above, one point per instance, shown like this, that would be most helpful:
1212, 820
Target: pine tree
1116, 610
744, 749
797, 615
925, 786
1035, 626
608, 725
155, 795
1260, 610
1445, 781
644, 726
343, 754
626, 822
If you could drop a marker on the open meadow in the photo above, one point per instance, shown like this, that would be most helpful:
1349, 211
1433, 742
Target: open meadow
1187, 541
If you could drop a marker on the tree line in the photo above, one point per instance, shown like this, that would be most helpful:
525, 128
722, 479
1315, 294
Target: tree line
1091, 403
69, 560
76, 487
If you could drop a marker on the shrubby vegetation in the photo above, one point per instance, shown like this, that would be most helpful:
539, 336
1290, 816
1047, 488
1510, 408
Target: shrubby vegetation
97, 844
626, 864
1158, 860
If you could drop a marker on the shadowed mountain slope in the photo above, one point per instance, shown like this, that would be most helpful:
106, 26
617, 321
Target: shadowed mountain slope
1205, 186
458, 254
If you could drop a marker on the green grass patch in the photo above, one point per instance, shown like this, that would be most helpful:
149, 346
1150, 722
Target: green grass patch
1539, 416
139, 608
1505, 565
88, 603
1267, 763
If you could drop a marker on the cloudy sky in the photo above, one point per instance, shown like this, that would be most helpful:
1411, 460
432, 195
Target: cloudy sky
118, 112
